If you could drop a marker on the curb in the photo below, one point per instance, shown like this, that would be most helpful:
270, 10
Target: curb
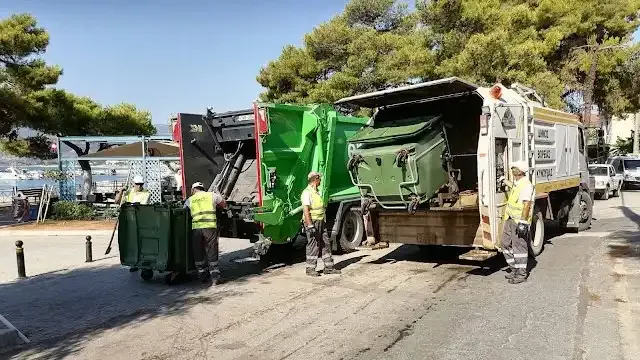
55, 232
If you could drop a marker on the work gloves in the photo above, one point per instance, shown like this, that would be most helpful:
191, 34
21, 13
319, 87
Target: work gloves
522, 230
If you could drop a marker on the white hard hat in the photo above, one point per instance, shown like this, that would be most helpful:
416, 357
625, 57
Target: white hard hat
138, 179
197, 185
520, 165
313, 174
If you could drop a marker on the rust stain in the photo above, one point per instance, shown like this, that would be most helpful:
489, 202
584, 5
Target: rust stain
594, 297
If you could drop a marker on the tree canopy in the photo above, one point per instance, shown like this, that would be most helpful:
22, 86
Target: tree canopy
29, 99
547, 44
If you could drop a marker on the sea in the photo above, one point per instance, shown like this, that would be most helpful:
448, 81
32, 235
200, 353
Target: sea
7, 185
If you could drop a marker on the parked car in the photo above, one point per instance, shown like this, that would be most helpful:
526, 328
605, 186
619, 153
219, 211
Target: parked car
627, 166
606, 180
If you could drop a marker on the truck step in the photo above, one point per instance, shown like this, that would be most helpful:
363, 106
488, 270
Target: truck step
477, 255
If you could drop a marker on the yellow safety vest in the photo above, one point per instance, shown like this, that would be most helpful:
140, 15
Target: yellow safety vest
203, 212
515, 205
141, 197
317, 204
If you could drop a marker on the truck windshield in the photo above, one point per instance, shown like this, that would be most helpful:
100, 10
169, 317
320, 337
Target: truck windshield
598, 170
632, 164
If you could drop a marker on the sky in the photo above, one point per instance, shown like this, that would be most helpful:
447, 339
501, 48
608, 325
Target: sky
170, 56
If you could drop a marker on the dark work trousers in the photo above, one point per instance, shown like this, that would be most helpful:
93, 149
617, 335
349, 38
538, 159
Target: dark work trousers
205, 250
319, 244
514, 248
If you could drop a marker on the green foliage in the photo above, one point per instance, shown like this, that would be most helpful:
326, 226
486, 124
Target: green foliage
57, 175
27, 98
546, 44
622, 146
70, 210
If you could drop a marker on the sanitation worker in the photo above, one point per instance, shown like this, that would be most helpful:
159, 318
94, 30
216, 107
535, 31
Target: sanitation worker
137, 195
313, 219
204, 235
517, 220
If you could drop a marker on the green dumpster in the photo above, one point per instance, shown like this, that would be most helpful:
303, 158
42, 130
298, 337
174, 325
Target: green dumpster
156, 238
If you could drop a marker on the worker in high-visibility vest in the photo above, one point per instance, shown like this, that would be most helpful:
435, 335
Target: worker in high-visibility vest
517, 222
136, 195
204, 234
313, 218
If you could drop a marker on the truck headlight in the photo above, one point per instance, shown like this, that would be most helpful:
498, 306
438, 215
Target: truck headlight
628, 177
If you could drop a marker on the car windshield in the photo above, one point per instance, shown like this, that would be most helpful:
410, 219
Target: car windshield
598, 170
631, 164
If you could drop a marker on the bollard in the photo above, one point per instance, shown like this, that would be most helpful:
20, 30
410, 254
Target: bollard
22, 272
88, 249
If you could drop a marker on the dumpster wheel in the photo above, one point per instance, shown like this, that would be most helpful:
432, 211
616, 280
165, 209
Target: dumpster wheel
146, 274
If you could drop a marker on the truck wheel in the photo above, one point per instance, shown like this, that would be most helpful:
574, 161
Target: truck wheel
605, 195
536, 240
586, 211
351, 230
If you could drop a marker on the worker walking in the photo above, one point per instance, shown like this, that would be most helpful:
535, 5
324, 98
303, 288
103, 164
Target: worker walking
136, 195
517, 220
204, 235
313, 216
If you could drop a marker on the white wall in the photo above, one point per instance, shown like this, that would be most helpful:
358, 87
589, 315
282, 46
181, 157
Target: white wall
619, 128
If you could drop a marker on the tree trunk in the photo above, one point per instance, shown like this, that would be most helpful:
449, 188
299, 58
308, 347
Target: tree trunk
636, 133
589, 85
87, 179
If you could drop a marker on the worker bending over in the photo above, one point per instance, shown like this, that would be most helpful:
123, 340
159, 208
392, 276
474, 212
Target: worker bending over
137, 195
313, 219
517, 220
204, 234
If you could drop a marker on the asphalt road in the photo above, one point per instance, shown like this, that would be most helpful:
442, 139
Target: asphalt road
580, 302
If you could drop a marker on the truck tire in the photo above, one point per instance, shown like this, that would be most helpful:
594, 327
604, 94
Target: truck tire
351, 230
536, 240
605, 194
586, 210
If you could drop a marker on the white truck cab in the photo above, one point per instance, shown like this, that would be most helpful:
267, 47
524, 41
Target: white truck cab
627, 166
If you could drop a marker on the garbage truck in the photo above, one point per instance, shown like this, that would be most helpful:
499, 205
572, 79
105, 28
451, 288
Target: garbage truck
292, 141
428, 165
218, 149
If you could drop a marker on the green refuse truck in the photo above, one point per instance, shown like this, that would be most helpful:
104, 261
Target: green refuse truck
292, 141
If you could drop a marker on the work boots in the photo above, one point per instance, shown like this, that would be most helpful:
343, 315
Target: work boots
330, 271
312, 272
511, 272
520, 275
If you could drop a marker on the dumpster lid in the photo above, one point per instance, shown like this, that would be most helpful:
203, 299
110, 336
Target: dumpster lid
393, 131
422, 91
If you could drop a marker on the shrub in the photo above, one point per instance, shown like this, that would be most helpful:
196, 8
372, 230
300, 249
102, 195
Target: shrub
70, 210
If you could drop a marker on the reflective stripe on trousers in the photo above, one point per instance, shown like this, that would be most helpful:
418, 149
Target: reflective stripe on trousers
319, 243
514, 248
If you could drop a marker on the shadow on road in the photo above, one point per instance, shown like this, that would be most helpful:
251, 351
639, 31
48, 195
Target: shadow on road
626, 242
59, 311
441, 255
